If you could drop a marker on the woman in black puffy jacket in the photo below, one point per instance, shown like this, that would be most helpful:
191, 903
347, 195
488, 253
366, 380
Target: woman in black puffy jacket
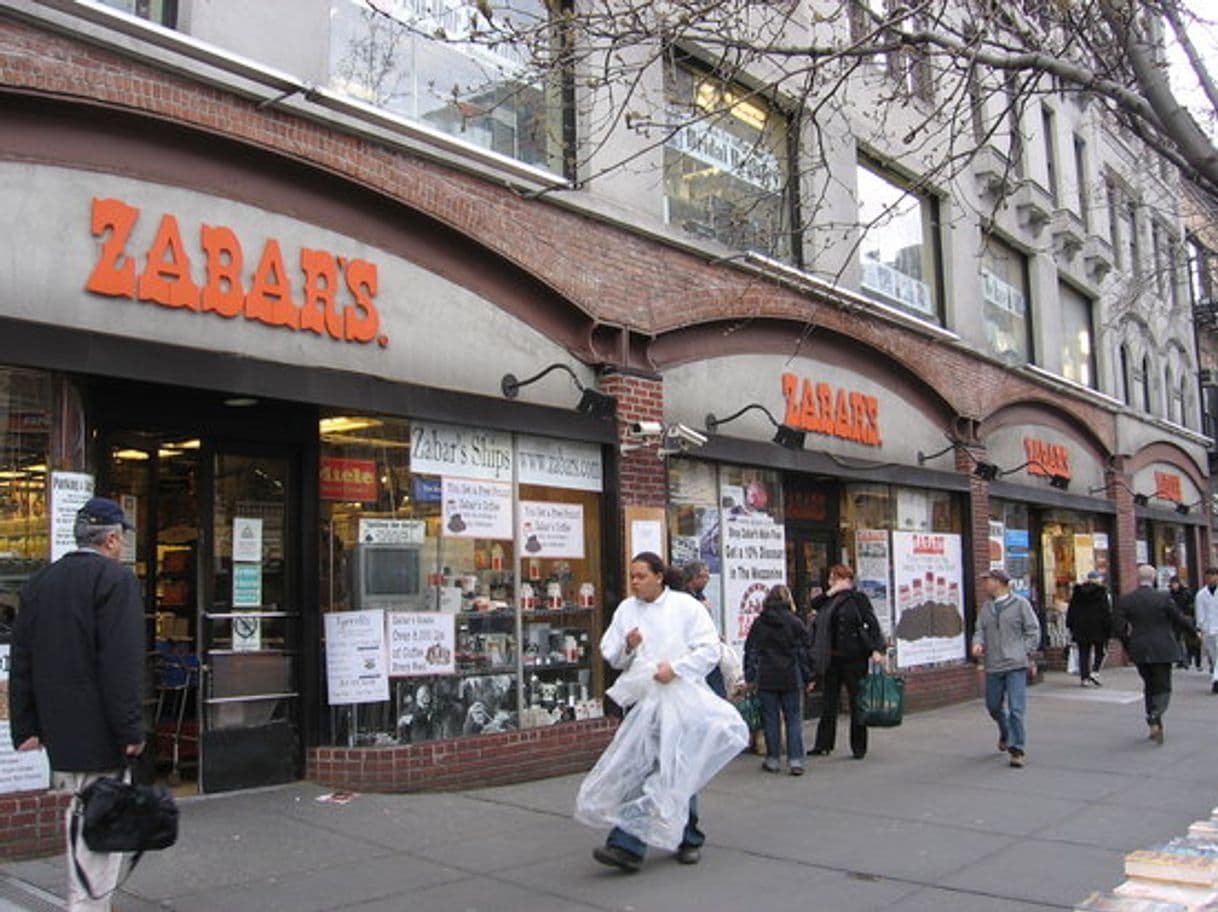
776, 663
845, 635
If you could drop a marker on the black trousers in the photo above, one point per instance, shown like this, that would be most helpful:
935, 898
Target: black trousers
1156, 689
848, 673
1090, 657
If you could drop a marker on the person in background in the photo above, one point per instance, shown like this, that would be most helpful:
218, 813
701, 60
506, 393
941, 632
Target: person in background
1089, 619
76, 683
776, 662
1148, 618
1206, 606
1187, 640
667, 617
1007, 634
696, 575
693, 579
845, 635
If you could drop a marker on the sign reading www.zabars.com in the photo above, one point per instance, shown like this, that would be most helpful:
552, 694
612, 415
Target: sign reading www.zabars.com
320, 293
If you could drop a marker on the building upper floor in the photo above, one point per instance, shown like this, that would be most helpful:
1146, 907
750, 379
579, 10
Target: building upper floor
1055, 242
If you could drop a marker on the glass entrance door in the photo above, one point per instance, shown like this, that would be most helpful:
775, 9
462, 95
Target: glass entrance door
249, 620
809, 556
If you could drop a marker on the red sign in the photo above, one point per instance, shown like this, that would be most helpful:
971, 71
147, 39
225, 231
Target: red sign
1046, 459
325, 295
1169, 487
820, 408
352, 480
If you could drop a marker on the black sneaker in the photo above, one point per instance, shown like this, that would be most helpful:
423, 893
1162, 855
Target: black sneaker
689, 855
614, 857
1018, 759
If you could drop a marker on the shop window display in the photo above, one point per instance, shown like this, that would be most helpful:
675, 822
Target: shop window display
25, 446
513, 572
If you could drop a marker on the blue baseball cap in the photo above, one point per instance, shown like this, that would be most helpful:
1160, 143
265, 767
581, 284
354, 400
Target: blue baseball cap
101, 511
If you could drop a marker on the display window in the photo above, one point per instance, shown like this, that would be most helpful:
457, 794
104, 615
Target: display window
486, 580
1167, 547
25, 431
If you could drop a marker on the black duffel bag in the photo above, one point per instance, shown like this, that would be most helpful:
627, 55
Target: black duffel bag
115, 815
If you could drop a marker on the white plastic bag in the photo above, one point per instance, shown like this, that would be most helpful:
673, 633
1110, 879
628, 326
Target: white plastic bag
730, 666
669, 746
1072, 660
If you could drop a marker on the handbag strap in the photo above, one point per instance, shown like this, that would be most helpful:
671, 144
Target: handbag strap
73, 837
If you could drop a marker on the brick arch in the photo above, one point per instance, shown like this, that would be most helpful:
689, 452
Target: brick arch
87, 136
1162, 451
787, 339
1048, 414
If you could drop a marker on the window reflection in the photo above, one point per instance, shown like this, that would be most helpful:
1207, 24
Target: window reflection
897, 247
1004, 296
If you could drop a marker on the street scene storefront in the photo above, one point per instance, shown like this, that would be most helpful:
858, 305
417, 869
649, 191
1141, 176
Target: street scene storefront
346, 538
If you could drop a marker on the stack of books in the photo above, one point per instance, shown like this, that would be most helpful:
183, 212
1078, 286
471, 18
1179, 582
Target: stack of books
1180, 875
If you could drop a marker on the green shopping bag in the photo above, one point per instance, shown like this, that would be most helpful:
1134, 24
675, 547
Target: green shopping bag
749, 707
881, 700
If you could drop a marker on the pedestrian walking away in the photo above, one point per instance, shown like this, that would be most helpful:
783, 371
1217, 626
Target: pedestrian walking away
76, 680
1007, 635
777, 663
1147, 620
1206, 607
1089, 620
1188, 640
672, 624
845, 635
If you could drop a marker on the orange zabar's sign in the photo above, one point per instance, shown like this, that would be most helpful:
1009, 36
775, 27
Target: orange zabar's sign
1045, 458
1169, 487
270, 297
820, 408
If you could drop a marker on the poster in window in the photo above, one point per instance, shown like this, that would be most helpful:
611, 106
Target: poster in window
998, 550
1084, 556
421, 644
928, 576
355, 657
1019, 561
550, 529
476, 509
20, 771
69, 492
247, 539
754, 560
871, 568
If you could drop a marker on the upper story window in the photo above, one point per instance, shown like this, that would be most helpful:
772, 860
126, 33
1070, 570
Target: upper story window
1125, 376
1005, 305
1048, 134
1201, 271
1145, 377
899, 245
422, 59
727, 173
1078, 349
162, 12
1081, 175
1130, 240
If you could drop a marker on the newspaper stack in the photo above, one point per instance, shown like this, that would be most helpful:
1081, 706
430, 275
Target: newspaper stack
1180, 875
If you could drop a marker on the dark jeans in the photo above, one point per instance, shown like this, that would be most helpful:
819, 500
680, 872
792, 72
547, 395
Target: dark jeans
850, 673
1087, 665
1156, 690
692, 838
785, 702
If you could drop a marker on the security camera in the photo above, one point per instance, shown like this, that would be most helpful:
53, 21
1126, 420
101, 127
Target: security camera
687, 435
647, 428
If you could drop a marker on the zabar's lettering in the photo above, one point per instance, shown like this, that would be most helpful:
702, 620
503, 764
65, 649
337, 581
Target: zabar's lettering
271, 296
1045, 459
821, 408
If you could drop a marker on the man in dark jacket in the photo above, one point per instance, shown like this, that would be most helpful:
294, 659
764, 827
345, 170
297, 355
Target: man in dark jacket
1089, 619
845, 635
1149, 619
76, 679
776, 663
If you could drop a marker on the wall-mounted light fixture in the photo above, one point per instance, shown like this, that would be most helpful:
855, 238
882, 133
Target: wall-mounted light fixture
982, 469
591, 401
784, 435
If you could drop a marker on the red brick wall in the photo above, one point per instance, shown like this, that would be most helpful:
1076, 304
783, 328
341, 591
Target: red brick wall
461, 763
32, 824
932, 688
643, 481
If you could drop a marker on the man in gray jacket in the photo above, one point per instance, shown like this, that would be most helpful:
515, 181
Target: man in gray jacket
1007, 634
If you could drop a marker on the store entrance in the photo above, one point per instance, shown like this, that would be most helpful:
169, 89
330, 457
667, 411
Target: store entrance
810, 553
219, 566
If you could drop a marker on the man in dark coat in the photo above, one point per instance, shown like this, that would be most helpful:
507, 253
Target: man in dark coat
1089, 619
76, 681
845, 635
1147, 619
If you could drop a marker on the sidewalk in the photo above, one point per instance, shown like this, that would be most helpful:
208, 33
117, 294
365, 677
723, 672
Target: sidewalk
933, 819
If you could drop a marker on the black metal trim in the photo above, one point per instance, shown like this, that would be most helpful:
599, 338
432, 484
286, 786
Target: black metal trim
27, 344
1051, 497
1169, 515
768, 455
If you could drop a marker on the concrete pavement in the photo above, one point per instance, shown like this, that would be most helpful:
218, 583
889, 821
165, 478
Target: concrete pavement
933, 819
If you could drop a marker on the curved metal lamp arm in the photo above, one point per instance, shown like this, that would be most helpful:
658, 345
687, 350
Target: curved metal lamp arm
712, 422
511, 386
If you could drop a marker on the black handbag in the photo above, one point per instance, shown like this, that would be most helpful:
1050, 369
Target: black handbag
114, 815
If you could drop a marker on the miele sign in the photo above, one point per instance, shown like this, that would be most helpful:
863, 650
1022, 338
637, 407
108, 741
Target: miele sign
321, 293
